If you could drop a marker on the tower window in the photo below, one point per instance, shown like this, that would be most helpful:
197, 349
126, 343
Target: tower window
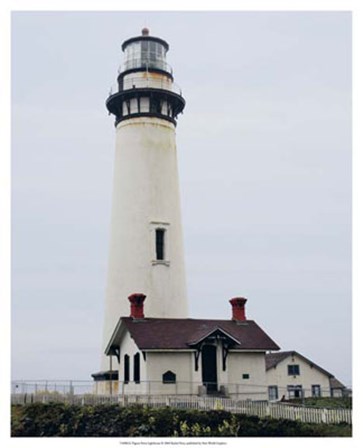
144, 51
160, 244
137, 368
152, 51
126, 368
155, 106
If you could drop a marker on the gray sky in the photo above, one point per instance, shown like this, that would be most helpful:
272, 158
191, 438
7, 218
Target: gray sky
264, 149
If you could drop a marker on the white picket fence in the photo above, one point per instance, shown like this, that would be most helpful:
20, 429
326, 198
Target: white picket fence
260, 409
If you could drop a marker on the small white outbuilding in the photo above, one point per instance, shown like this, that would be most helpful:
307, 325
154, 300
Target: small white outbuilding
190, 356
292, 375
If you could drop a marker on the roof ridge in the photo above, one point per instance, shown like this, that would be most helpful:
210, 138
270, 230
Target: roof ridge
185, 318
284, 352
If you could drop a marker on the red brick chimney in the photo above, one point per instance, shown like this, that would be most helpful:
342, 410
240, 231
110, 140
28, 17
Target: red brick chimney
238, 308
137, 305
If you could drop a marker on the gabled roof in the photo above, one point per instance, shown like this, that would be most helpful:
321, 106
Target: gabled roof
273, 359
179, 334
219, 332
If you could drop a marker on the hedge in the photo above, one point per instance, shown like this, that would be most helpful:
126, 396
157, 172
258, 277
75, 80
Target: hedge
63, 420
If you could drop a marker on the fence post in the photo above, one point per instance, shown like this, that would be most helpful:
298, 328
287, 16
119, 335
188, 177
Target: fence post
267, 410
324, 416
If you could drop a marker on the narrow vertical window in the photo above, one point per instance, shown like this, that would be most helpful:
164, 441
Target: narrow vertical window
316, 390
160, 244
126, 368
137, 368
273, 393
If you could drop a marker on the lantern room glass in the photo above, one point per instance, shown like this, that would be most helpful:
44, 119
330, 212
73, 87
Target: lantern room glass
146, 54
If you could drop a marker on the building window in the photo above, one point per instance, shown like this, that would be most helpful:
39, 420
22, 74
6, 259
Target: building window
273, 393
316, 390
137, 368
126, 368
245, 376
293, 369
169, 377
160, 244
295, 391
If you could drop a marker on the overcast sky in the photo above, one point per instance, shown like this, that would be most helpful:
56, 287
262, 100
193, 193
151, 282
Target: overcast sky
264, 150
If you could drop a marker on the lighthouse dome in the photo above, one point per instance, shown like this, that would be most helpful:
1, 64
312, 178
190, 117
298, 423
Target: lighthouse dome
145, 52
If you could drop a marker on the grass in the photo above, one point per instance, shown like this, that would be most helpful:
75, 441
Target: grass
325, 402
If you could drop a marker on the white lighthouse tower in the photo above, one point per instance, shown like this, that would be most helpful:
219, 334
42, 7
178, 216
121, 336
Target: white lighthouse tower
146, 245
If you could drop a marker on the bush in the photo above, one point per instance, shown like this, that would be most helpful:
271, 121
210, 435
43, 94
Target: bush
65, 420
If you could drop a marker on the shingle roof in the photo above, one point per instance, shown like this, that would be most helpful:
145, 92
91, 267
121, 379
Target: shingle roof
336, 384
272, 359
178, 334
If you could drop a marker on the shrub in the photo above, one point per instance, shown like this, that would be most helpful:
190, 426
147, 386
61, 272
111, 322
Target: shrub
63, 420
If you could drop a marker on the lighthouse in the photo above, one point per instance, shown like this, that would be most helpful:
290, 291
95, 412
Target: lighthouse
150, 344
146, 242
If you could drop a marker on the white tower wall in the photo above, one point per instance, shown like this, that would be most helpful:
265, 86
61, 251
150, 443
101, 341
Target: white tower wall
145, 197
